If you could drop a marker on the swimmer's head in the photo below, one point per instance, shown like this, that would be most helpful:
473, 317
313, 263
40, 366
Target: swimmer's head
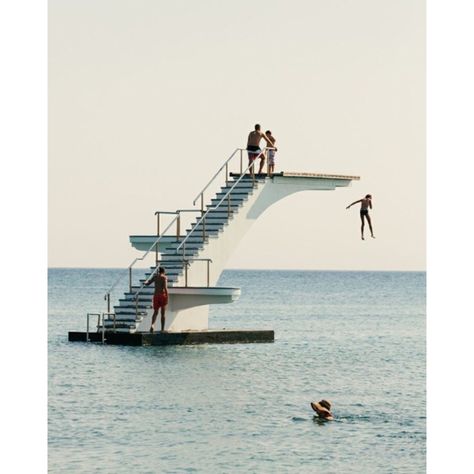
257, 127
368, 196
325, 404
161, 270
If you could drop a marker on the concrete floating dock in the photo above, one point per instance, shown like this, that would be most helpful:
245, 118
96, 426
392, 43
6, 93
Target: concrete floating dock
211, 336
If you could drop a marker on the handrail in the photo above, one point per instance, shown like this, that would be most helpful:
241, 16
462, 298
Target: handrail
215, 207
139, 258
187, 260
217, 173
178, 224
157, 214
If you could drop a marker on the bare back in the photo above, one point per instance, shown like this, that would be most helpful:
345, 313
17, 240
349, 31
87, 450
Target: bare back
366, 203
161, 284
254, 138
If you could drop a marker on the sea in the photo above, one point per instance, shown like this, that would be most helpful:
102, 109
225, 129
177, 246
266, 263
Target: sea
357, 339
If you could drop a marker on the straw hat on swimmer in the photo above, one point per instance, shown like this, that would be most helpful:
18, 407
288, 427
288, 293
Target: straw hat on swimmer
323, 409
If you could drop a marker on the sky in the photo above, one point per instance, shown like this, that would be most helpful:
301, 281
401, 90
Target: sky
148, 98
30, 224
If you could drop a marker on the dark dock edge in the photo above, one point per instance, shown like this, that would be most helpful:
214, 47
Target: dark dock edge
212, 336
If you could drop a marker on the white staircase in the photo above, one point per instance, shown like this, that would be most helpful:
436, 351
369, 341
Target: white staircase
195, 260
130, 311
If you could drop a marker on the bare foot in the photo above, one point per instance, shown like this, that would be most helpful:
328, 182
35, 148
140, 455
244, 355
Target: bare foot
373, 236
151, 329
362, 238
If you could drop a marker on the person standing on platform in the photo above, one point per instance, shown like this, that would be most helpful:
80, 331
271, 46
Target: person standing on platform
271, 153
253, 147
160, 297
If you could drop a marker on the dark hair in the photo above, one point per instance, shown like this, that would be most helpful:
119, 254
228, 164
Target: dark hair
368, 196
161, 270
268, 131
325, 404
257, 126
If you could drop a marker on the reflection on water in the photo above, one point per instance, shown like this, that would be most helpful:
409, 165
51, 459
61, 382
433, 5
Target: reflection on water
355, 338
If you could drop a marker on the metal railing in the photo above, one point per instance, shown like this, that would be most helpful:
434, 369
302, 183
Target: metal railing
226, 166
130, 267
98, 324
203, 217
186, 265
185, 261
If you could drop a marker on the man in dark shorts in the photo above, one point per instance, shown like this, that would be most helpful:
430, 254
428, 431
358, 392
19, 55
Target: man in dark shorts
160, 298
365, 204
253, 146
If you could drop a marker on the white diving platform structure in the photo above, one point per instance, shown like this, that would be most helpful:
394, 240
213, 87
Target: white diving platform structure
195, 259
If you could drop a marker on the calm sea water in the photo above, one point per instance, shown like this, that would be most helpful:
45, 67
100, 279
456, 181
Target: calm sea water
355, 338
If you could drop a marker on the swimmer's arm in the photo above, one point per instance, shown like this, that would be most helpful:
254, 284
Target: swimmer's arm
370, 204
355, 202
165, 285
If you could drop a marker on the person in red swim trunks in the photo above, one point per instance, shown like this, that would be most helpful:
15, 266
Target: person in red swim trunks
160, 298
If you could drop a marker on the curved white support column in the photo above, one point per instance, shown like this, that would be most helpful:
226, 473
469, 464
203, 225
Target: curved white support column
188, 308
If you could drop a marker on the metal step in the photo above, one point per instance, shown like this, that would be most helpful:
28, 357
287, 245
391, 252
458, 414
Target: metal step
248, 178
215, 226
233, 195
219, 213
243, 185
171, 265
224, 206
143, 303
129, 313
233, 201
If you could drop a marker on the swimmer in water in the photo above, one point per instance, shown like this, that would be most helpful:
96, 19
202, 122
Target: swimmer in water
322, 408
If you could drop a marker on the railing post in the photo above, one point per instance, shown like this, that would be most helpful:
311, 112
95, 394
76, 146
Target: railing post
103, 328
208, 265
87, 330
108, 302
202, 203
157, 224
178, 226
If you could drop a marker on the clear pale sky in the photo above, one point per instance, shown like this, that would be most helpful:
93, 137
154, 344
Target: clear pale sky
147, 99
